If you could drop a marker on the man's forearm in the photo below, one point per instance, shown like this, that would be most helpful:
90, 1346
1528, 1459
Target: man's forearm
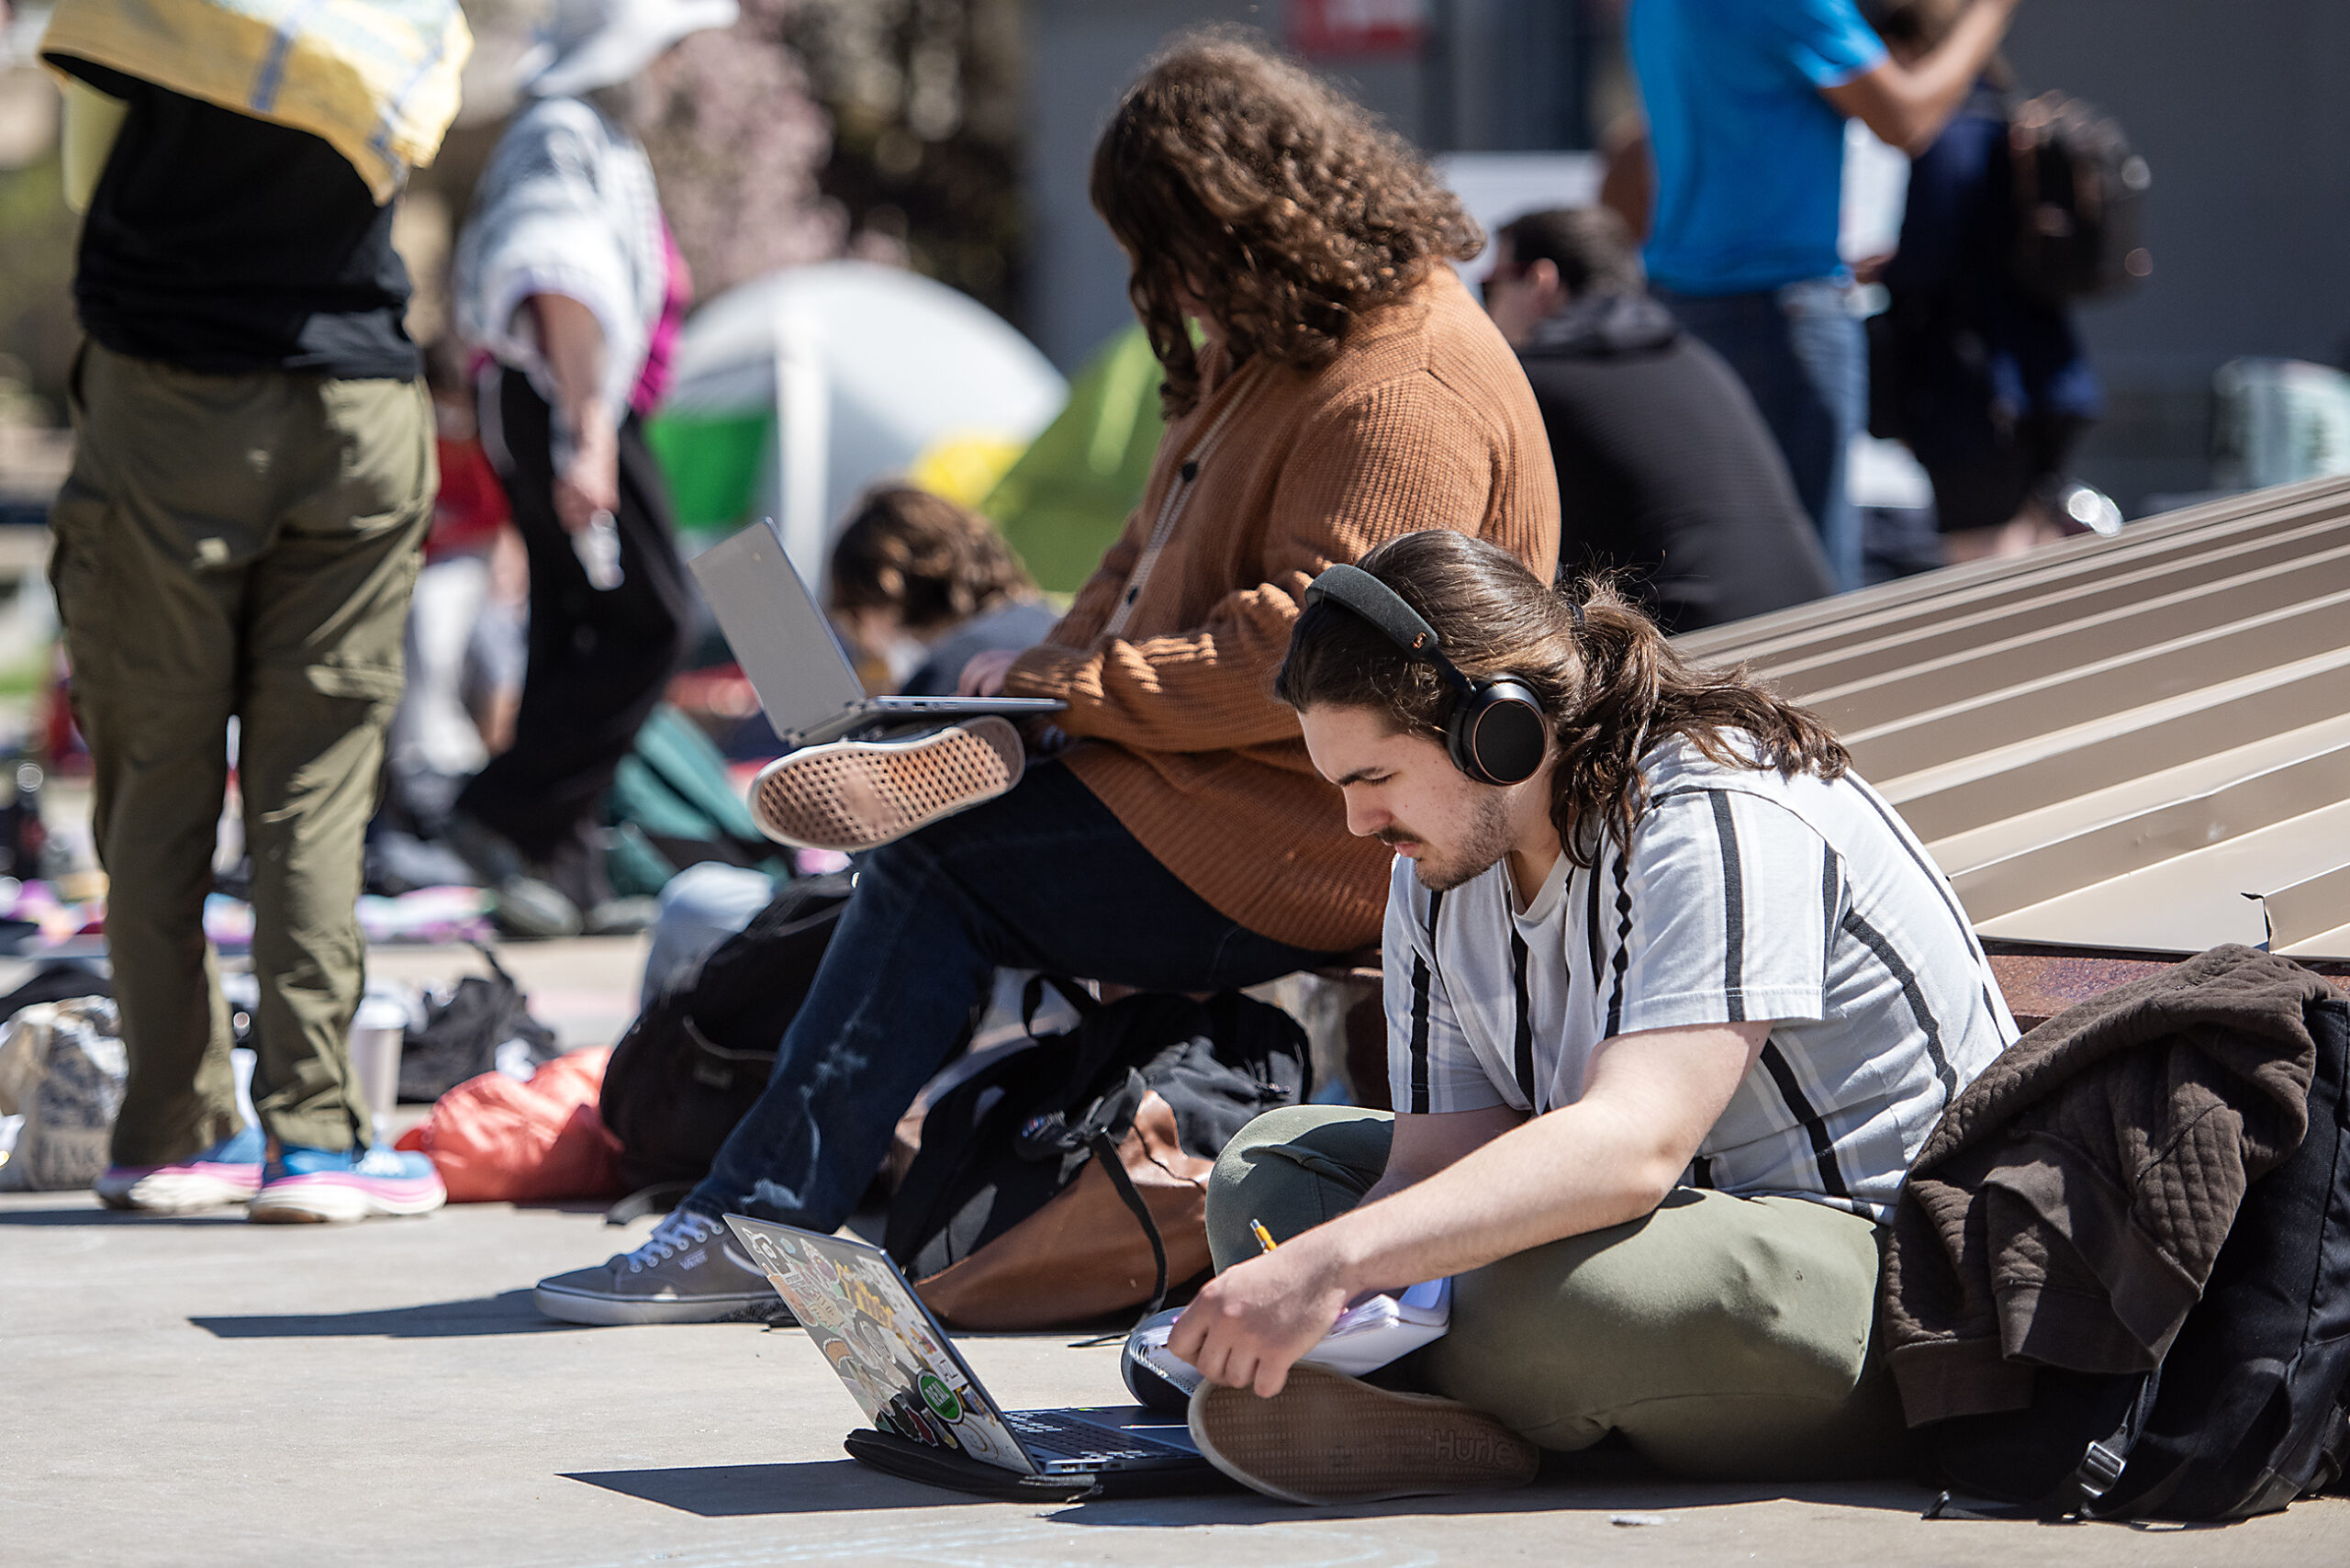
1909, 106
1579, 1169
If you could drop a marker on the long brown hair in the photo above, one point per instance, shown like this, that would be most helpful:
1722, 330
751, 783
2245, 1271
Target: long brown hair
1612, 687
1276, 203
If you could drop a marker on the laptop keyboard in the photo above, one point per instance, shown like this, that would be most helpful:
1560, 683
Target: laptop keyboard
1065, 1437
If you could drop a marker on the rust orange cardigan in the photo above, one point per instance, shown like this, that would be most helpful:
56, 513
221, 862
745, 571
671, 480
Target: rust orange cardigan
1166, 658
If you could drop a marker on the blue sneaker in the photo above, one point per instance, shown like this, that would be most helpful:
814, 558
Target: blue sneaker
227, 1173
311, 1185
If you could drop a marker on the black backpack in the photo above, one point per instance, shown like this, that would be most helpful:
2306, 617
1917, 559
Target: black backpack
1004, 1142
463, 1032
695, 1060
2079, 194
2245, 1413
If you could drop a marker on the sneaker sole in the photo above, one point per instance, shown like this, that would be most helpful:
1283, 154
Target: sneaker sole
1329, 1438
856, 794
328, 1199
566, 1306
179, 1193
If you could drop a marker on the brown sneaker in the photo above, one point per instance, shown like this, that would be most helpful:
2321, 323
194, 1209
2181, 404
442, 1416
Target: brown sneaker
1327, 1438
855, 794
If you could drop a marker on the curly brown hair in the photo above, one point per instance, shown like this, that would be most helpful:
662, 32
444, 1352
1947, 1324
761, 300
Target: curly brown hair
1611, 687
919, 555
1242, 182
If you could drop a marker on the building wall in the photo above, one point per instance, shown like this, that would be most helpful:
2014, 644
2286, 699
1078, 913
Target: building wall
2242, 112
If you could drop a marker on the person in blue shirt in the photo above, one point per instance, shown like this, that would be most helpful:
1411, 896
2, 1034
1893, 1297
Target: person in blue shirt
1746, 103
1989, 385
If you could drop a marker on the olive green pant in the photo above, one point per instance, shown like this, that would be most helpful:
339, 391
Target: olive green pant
1724, 1338
237, 546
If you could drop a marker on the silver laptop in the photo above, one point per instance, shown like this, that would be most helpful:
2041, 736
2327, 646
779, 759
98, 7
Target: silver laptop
906, 1375
785, 645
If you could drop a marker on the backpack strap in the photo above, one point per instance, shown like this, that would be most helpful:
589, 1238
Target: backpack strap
1105, 1155
2104, 1461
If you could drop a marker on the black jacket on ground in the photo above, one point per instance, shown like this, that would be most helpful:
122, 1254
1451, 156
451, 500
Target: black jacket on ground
1666, 471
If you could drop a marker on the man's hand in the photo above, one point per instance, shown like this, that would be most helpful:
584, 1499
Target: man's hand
1250, 1324
983, 677
590, 482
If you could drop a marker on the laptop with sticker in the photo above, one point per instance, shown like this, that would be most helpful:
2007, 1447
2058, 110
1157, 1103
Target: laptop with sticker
784, 644
903, 1372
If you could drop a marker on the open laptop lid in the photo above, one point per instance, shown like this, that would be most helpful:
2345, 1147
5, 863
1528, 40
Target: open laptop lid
784, 644
779, 636
897, 1364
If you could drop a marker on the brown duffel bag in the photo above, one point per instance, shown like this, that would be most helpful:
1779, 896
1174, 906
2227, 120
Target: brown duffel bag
1068, 1181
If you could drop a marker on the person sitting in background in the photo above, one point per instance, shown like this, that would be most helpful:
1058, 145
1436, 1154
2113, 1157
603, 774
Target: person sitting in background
1989, 387
1667, 472
1347, 390
927, 586
1672, 1005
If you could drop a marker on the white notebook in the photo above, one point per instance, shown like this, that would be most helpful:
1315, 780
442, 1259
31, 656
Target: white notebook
1365, 1336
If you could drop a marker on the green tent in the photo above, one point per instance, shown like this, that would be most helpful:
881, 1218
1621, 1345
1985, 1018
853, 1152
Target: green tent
1064, 502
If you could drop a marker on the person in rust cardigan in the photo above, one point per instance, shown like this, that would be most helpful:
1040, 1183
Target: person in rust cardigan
1346, 389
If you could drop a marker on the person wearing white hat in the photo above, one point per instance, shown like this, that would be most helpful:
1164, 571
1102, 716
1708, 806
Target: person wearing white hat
566, 277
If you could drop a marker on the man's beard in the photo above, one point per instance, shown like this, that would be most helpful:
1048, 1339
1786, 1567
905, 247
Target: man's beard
1485, 838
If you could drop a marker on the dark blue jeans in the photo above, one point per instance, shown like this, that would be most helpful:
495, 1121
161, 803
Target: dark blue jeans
1804, 356
1043, 878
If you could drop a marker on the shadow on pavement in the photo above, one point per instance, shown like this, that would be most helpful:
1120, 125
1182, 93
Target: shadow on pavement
737, 1491
1635, 1495
508, 1312
97, 1215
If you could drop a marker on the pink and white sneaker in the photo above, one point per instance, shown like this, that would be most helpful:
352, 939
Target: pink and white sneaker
229, 1172
309, 1186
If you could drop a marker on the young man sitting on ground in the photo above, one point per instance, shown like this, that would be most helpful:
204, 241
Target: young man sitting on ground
1674, 999
1349, 390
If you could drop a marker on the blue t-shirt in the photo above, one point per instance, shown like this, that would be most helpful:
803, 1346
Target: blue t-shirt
1750, 157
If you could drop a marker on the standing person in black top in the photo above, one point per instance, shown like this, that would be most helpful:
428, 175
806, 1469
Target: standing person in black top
1667, 472
252, 478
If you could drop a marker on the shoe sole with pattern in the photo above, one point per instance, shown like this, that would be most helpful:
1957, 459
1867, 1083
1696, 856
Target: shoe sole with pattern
1329, 1439
853, 795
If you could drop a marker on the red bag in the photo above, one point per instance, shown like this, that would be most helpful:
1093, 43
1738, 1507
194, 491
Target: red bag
497, 1139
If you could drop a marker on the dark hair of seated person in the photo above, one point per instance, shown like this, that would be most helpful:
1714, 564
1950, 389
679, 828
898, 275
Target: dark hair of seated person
932, 563
1591, 246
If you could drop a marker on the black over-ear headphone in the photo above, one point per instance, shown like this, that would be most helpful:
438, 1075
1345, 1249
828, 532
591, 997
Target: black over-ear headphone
1497, 730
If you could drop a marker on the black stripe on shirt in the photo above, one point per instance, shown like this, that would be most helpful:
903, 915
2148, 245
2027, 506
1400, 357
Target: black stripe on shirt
1829, 889
1906, 978
1933, 873
1422, 980
1823, 1147
1419, 1036
1517, 957
1622, 944
1733, 910
1591, 921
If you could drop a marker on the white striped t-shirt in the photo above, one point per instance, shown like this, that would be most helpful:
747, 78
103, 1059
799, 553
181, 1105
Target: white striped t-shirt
1742, 897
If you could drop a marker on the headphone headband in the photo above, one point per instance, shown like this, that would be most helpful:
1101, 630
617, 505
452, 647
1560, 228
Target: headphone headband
1375, 601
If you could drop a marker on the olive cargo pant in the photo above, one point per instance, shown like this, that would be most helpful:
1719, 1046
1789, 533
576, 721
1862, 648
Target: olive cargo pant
1725, 1338
237, 546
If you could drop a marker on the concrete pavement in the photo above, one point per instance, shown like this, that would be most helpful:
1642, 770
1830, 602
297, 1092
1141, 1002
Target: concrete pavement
199, 1391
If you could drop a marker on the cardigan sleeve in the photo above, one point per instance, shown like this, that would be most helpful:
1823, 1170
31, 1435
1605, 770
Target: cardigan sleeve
1399, 456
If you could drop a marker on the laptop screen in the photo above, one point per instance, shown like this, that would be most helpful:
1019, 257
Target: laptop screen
781, 639
858, 1310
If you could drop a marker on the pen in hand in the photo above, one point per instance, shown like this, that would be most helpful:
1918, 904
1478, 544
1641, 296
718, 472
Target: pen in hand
1264, 1238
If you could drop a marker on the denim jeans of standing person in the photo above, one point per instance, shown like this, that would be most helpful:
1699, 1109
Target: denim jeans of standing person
1044, 878
1804, 357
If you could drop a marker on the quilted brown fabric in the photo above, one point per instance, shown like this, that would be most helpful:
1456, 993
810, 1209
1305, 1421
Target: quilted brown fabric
2067, 1209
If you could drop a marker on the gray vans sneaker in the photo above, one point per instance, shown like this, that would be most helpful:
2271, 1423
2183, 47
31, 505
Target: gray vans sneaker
850, 795
1327, 1438
689, 1270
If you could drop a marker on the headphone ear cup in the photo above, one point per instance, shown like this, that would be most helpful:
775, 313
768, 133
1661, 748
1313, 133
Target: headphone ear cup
1499, 735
